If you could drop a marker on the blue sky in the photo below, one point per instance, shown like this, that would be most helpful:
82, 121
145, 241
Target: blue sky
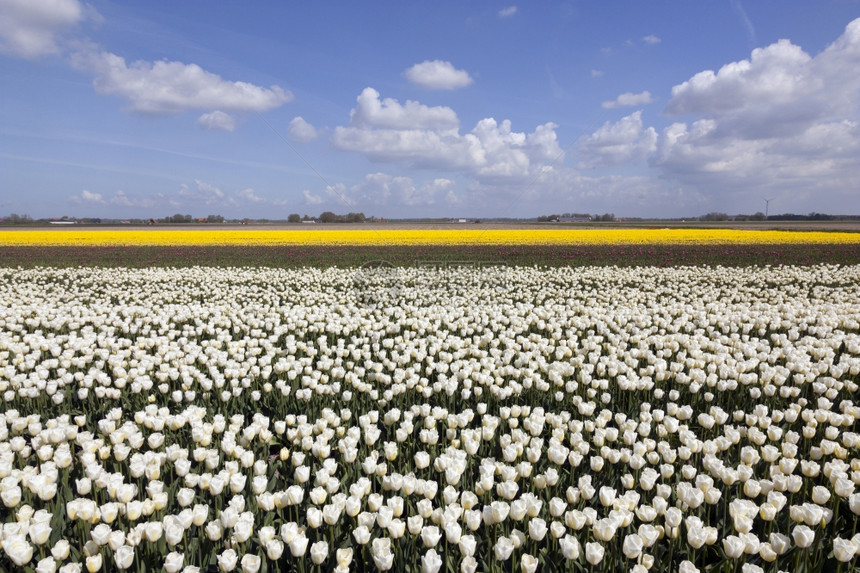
442, 109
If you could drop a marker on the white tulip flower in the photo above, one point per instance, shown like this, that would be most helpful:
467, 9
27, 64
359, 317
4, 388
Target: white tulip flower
594, 552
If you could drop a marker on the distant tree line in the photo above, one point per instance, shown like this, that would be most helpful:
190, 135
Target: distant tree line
179, 218
716, 216
811, 217
555, 218
329, 217
16, 219
759, 216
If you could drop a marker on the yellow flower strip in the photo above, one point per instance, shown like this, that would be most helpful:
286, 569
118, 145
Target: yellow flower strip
93, 237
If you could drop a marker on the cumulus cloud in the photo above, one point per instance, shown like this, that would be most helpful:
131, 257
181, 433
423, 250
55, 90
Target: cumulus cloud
33, 28
165, 87
377, 188
372, 112
385, 189
439, 186
122, 199
249, 195
302, 131
421, 148
780, 88
311, 199
202, 192
823, 156
781, 119
424, 137
625, 141
628, 99
217, 120
651, 39
88, 197
119, 199
438, 75
507, 12
30, 28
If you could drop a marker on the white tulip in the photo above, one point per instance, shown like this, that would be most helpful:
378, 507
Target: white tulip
594, 552
173, 562
803, 536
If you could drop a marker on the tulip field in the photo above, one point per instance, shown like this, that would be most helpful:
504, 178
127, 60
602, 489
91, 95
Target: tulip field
445, 417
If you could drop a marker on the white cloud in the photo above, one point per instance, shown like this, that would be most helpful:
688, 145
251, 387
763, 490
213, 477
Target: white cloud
423, 137
385, 189
371, 112
377, 188
302, 131
651, 39
628, 99
249, 195
217, 120
596, 73
438, 75
780, 89
168, 87
625, 141
825, 156
781, 122
418, 148
30, 28
507, 12
88, 197
202, 192
121, 199
311, 199
440, 185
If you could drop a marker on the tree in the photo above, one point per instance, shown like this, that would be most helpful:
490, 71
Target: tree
17, 219
215, 219
294, 218
328, 217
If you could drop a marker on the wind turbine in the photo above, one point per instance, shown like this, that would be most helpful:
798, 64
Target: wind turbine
767, 206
